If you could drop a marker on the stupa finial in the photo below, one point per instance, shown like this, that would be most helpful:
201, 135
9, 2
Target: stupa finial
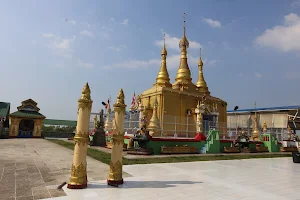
183, 76
163, 78
201, 83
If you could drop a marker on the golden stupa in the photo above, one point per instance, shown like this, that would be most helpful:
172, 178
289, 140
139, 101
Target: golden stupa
174, 101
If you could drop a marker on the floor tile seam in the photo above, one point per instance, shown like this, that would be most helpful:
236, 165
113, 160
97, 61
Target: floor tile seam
42, 179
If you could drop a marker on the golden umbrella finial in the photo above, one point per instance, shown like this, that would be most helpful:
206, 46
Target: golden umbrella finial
164, 50
200, 63
184, 25
184, 41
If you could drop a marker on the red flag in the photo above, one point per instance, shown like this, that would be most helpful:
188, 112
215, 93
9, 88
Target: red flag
133, 101
106, 106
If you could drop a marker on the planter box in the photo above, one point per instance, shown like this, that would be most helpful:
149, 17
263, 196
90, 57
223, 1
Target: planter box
178, 150
140, 151
262, 149
288, 149
231, 150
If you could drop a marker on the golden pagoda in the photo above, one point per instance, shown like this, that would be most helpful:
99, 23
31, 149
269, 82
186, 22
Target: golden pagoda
172, 102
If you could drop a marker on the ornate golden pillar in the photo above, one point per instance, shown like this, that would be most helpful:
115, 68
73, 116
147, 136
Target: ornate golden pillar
115, 171
78, 179
14, 127
38, 124
34, 128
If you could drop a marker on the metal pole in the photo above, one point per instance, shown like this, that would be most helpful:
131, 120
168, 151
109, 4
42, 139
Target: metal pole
162, 122
187, 125
175, 125
236, 125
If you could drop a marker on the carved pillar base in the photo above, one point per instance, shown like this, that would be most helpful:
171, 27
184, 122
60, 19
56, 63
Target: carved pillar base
116, 168
115, 174
78, 179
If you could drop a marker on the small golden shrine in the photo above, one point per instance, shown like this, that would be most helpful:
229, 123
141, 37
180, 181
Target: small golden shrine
256, 132
180, 99
27, 121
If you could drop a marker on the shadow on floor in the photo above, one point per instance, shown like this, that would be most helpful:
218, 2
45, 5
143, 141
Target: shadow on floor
144, 184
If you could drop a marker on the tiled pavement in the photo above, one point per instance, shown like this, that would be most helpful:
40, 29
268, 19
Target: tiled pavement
259, 179
33, 168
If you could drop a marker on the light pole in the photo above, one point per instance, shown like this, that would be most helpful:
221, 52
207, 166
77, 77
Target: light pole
236, 127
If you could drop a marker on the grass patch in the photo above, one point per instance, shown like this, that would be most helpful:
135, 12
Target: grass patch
105, 157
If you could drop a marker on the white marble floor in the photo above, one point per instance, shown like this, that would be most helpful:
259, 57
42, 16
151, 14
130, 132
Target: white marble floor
276, 179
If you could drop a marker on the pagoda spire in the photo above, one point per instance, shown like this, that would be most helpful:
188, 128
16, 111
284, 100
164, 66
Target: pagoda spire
183, 76
201, 84
163, 78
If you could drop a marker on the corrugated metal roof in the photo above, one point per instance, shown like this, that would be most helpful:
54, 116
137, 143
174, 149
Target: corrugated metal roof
266, 109
57, 122
4, 109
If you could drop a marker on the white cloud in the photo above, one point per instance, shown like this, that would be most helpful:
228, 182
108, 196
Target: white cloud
173, 43
70, 21
112, 19
125, 22
85, 64
87, 33
117, 48
212, 23
172, 63
284, 37
258, 75
61, 46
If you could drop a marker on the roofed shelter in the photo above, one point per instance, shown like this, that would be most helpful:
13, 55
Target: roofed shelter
27, 121
278, 119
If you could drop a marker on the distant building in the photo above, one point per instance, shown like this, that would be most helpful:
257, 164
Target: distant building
26, 121
4, 115
277, 119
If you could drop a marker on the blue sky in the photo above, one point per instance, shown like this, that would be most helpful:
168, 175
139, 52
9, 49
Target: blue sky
49, 49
